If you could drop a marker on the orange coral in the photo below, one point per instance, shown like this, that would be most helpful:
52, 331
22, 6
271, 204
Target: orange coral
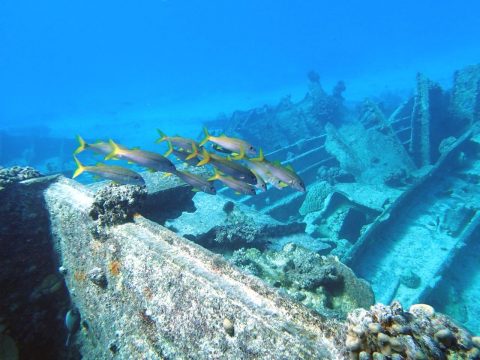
114, 267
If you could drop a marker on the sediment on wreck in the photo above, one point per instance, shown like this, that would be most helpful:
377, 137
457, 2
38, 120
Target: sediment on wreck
166, 297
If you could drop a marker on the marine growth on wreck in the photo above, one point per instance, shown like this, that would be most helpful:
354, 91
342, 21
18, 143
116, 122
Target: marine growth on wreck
320, 226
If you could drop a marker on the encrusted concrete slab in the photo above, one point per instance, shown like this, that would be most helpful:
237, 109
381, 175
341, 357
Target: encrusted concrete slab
165, 297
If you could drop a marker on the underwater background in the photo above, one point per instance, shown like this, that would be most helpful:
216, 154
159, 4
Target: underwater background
367, 114
106, 69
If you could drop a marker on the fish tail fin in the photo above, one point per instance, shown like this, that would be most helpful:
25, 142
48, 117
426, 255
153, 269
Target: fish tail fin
216, 175
170, 149
194, 152
163, 136
115, 150
82, 145
206, 158
80, 168
260, 156
206, 138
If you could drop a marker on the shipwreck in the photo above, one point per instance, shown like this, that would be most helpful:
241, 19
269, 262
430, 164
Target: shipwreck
391, 216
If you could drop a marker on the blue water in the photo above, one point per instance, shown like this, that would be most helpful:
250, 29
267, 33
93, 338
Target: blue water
104, 68
110, 69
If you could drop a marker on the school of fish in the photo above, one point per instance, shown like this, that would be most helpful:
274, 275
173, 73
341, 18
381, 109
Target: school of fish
236, 163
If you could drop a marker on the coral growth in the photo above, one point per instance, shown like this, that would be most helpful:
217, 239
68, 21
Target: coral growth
117, 204
316, 197
238, 228
420, 333
16, 174
320, 282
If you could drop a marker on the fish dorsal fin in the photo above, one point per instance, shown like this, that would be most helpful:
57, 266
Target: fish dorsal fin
290, 167
100, 164
261, 157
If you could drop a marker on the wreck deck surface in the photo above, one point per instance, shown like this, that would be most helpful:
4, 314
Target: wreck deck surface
170, 297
